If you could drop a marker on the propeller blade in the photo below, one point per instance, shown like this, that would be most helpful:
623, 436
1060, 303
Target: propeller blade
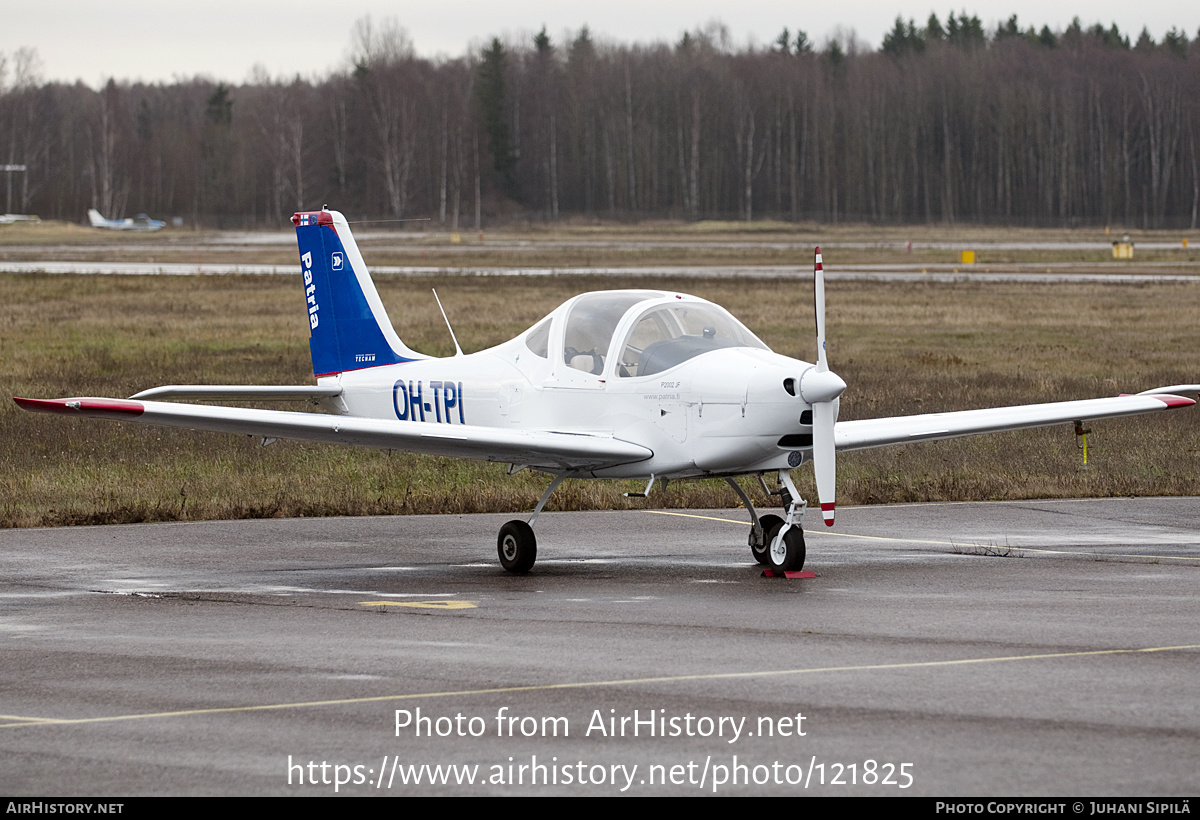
824, 458
819, 298
822, 389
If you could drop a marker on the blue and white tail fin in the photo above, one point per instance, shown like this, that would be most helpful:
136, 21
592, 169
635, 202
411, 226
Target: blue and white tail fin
349, 329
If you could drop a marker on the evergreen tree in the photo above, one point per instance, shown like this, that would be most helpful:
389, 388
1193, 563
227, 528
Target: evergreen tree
1109, 38
784, 42
902, 39
219, 108
541, 42
493, 103
1008, 28
934, 33
1176, 41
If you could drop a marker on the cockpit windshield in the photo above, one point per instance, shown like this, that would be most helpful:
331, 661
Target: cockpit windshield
670, 334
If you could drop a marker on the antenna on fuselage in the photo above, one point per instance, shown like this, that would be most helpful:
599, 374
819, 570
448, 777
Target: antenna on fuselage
457, 349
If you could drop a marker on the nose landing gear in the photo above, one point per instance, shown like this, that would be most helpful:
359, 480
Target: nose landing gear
786, 552
777, 542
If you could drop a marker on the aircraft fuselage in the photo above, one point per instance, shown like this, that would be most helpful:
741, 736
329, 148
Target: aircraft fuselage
722, 412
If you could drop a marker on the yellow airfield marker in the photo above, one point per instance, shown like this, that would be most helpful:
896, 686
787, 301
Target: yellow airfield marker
424, 604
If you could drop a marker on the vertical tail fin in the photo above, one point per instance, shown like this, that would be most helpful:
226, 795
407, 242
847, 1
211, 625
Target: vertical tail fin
96, 219
349, 329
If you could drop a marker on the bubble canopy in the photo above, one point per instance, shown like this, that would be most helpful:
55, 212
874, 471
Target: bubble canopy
648, 332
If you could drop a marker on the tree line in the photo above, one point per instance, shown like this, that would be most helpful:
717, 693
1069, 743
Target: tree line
945, 122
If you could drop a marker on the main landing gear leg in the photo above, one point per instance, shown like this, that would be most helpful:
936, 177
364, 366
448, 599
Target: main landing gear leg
517, 545
760, 526
785, 551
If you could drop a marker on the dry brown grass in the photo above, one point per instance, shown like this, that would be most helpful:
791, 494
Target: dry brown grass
902, 348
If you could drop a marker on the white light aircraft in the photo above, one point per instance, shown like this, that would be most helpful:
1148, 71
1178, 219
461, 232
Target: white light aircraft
141, 222
643, 384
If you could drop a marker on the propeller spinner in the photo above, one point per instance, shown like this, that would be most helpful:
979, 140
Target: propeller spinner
821, 387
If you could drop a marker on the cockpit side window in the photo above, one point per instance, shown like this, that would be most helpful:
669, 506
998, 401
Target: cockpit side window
538, 339
590, 326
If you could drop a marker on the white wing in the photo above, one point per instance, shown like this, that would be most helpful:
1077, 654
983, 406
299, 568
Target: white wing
558, 451
858, 435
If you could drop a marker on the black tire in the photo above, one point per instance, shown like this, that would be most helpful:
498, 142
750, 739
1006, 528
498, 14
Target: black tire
768, 524
789, 555
517, 547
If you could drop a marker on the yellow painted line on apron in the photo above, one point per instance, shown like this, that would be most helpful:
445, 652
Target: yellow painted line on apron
704, 517
959, 544
424, 604
549, 687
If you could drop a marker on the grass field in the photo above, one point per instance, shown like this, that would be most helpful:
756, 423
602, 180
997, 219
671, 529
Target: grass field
902, 348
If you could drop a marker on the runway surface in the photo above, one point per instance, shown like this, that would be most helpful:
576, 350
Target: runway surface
1028, 273
1018, 648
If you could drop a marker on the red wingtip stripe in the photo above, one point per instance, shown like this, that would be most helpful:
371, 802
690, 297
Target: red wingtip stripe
98, 408
1174, 401
827, 506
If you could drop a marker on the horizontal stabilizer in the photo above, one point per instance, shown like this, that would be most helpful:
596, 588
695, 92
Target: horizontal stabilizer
241, 392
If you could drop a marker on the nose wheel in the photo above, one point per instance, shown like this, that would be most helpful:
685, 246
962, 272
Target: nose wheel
760, 536
777, 542
786, 552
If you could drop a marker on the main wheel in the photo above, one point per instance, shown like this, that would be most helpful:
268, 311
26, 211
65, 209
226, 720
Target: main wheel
768, 524
786, 553
517, 547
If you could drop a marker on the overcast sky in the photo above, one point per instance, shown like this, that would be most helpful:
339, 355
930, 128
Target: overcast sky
156, 41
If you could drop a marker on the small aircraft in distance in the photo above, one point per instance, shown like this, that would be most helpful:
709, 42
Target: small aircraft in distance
644, 384
141, 222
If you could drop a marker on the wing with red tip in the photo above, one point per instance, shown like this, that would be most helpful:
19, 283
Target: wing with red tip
559, 451
859, 435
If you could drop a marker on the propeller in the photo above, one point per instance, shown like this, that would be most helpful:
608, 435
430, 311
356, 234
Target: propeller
821, 387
